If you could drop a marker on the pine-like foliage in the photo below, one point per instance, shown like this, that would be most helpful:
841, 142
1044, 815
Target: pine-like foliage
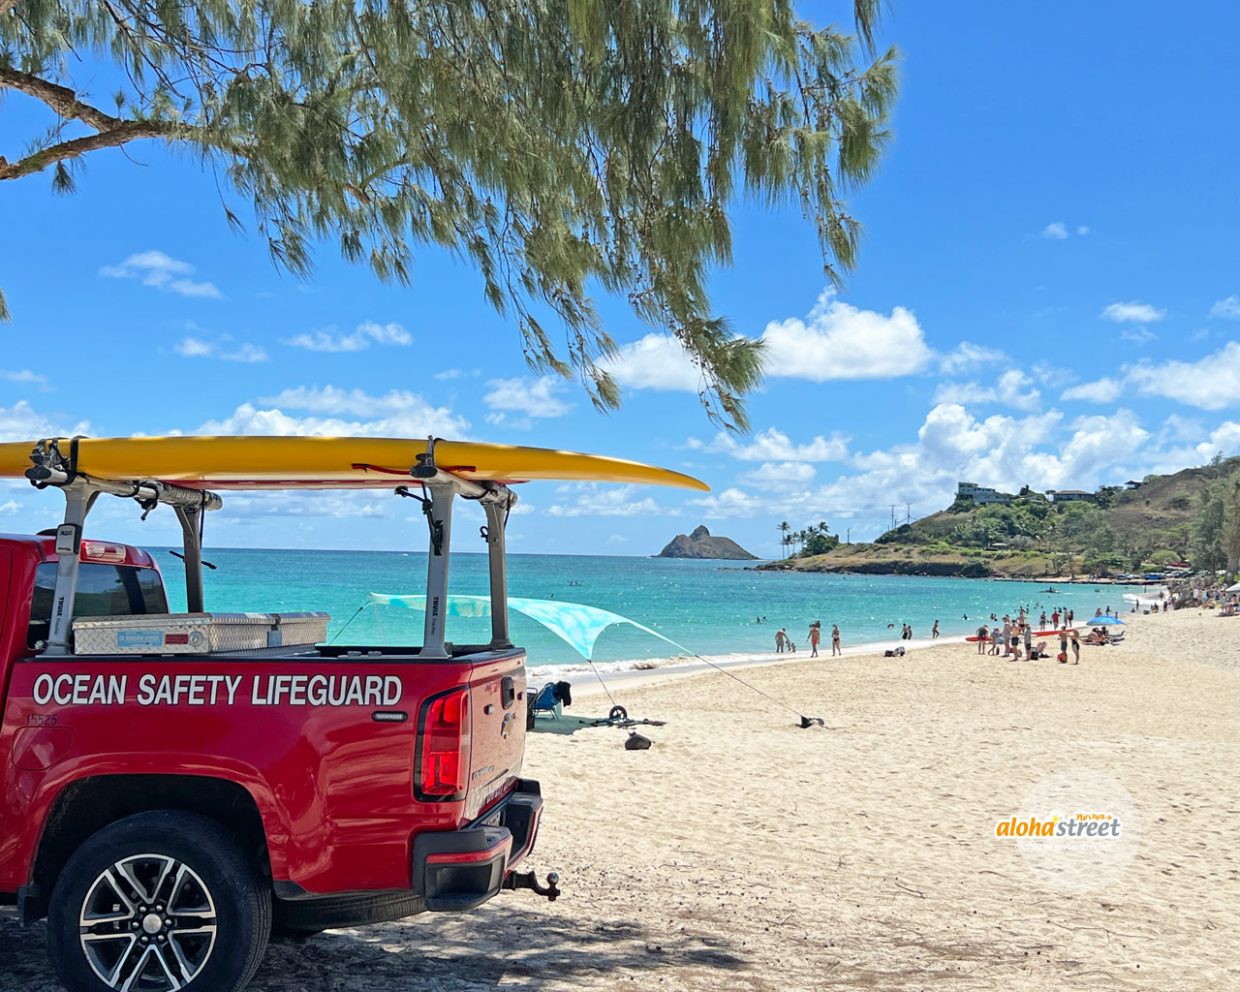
563, 146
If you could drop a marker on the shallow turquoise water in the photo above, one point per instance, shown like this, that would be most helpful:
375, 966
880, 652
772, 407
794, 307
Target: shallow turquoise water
710, 607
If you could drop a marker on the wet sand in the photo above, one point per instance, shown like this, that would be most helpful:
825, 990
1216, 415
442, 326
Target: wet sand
742, 852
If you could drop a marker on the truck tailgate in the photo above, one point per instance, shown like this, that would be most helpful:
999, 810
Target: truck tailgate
497, 713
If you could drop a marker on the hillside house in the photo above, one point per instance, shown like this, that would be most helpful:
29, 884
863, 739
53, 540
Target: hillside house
971, 492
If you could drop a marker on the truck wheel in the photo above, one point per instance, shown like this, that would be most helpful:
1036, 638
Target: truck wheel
157, 902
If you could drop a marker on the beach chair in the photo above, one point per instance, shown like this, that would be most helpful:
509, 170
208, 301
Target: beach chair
551, 698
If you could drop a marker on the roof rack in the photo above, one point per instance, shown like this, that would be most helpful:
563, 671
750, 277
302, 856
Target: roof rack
52, 467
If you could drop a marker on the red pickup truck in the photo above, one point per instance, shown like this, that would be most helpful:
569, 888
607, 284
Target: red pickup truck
166, 802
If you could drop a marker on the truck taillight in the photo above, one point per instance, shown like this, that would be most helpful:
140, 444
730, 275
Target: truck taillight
443, 747
103, 552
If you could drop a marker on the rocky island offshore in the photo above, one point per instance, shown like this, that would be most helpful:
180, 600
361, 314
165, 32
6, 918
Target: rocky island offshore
700, 544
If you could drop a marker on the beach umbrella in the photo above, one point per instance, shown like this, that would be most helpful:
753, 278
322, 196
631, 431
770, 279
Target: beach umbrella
1235, 588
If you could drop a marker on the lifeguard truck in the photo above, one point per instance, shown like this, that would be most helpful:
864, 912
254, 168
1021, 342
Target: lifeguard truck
173, 785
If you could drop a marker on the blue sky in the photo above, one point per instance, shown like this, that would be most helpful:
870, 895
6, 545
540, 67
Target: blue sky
1048, 294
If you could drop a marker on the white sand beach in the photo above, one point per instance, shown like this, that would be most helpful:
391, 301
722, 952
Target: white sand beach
742, 852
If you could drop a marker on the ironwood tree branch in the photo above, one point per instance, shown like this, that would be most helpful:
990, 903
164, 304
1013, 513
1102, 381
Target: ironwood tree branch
112, 131
124, 131
60, 98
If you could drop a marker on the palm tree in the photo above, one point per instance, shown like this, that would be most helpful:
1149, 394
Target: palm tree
783, 529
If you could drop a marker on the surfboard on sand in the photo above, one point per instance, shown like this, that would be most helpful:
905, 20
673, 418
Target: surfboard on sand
224, 463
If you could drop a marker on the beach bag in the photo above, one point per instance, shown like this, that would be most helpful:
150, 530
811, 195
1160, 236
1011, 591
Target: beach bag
636, 742
1062, 656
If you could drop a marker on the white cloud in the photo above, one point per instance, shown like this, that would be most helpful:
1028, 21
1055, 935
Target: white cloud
191, 347
534, 399
1013, 388
773, 445
839, 341
1104, 390
246, 509
397, 413
1132, 313
10, 506
247, 353
160, 271
20, 422
1229, 306
362, 337
657, 361
968, 357
611, 502
835, 341
781, 475
1210, 383
23, 375
194, 348
1059, 231
732, 502
1137, 335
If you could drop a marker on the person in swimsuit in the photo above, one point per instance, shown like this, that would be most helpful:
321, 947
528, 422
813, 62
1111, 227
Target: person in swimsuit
835, 641
815, 634
1063, 647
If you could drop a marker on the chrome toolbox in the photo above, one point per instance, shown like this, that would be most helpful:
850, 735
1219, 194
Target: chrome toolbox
195, 633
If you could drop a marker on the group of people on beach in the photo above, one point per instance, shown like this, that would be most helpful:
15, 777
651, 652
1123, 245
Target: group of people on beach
1015, 638
784, 643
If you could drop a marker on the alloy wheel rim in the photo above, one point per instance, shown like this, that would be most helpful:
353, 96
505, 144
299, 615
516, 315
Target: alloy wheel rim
148, 924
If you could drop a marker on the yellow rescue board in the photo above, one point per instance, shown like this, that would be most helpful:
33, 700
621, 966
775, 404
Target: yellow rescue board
330, 462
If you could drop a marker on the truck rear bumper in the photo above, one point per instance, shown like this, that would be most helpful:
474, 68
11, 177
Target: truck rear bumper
461, 869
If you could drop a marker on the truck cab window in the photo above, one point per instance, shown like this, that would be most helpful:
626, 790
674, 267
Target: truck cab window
103, 591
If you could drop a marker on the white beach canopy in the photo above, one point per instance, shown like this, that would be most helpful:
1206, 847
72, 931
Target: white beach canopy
577, 624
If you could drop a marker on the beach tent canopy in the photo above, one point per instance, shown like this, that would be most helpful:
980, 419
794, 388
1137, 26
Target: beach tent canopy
1235, 588
1103, 621
579, 625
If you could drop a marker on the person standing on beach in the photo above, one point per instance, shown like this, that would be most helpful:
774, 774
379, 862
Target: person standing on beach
1063, 647
983, 635
1055, 619
835, 641
815, 634
781, 640
1076, 646
1007, 636
1028, 634
934, 631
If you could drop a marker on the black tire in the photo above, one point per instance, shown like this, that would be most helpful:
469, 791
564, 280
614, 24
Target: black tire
618, 714
306, 917
240, 901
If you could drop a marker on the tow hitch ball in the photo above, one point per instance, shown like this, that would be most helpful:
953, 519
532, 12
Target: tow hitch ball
529, 880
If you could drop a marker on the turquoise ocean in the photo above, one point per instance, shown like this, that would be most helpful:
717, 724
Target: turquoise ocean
710, 607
